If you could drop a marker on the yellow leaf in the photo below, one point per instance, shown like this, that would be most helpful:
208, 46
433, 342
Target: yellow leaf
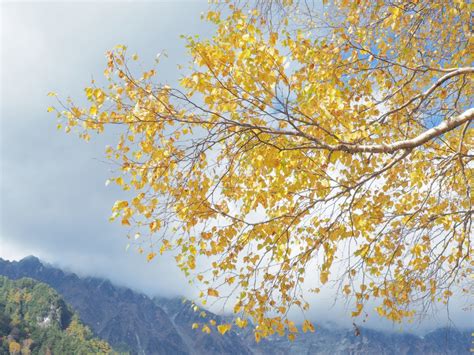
155, 225
291, 327
120, 205
212, 292
223, 328
125, 222
93, 110
358, 311
206, 329
258, 337
307, 326
324, 277
150, 256
241, 323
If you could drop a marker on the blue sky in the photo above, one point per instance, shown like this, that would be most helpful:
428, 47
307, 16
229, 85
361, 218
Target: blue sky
54, 202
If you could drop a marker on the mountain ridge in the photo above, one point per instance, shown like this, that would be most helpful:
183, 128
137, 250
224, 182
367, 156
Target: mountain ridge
128, 320
132, 321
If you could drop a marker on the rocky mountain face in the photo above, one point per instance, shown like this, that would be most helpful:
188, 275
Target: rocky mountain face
183, 315
133, 322
128, 320
332, 341
369, 342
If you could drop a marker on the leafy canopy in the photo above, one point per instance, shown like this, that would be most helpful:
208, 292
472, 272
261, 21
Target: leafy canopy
307, 145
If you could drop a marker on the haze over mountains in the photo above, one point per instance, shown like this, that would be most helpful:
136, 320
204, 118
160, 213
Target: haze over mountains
135, 323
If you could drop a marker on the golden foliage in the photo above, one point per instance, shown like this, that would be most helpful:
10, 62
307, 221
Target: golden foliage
330, 146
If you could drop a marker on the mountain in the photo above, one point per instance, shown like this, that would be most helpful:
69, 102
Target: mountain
369, 342
128, 320
330, 341
34, 319
133, 322
183, 316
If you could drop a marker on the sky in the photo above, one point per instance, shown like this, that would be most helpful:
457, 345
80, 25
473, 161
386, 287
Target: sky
54, 203
53, 200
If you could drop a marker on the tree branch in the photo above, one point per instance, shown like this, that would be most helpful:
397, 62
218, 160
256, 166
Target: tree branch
443, 127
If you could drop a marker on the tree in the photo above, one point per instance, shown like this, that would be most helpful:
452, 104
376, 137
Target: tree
307, 144
14, 347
